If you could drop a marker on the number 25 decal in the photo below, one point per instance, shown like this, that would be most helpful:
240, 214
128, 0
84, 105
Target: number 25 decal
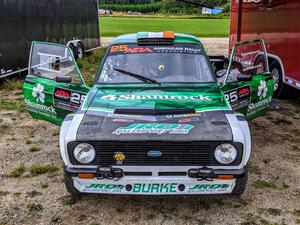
231, 96
77, 98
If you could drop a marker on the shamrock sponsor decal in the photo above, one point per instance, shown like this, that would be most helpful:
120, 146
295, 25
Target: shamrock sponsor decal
262, 89
38, 93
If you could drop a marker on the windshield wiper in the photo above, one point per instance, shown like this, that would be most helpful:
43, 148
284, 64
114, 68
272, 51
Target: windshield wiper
139, 77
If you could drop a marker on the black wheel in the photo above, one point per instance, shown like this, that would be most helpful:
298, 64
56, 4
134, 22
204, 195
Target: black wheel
280, 89
70, 186
240, 185
79, 51
72, 47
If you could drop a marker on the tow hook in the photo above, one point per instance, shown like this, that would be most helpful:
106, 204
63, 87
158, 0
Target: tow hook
201, 174
110, 173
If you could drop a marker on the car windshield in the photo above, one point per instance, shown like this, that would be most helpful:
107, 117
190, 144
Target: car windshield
178, 63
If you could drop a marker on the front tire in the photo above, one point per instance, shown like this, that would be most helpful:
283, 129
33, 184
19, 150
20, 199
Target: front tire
240, 185
69, 183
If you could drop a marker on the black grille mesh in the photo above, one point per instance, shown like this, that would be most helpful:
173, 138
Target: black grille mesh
173, 153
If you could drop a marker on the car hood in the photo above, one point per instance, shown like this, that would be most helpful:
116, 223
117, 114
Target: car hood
177, 114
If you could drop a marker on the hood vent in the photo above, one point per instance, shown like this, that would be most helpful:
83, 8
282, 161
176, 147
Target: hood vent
154, 112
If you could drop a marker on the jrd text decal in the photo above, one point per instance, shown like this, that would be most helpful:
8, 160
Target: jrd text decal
154, 128
157, 188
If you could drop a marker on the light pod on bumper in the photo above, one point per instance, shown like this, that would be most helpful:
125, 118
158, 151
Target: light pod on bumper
84, 153
225, 153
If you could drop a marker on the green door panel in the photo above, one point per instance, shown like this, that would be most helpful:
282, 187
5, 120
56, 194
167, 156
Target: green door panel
45, 98
253, 95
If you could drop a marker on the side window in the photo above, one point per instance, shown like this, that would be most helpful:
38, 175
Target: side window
50, 61
248, 59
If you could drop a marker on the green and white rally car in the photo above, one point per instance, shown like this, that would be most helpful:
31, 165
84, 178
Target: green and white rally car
158, 120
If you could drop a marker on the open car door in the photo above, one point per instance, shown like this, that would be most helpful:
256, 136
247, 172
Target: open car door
248, 85
54, 86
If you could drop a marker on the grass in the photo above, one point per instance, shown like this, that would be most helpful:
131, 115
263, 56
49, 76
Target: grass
34, 148
262, 184
203, 222
3, 193
18, 172
114, 26
69, 202
12, 85
10, 105
265, 222
296, 212
44, 185
274, 212
39, 169
28, 141
35, 208
90, 64
285, 185
254, 170
56, 132
33, 194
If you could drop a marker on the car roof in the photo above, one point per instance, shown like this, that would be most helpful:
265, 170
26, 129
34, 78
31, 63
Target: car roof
179, 38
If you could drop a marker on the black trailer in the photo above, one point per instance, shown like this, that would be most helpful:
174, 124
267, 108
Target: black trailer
72, 22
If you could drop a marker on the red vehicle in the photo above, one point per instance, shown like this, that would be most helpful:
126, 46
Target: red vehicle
277, 23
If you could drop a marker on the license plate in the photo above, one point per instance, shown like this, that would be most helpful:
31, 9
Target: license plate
155, 188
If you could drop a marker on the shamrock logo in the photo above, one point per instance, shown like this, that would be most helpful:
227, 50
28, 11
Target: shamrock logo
38, 93
262, 89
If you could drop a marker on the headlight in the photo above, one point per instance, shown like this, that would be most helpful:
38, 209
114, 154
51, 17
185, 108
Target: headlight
225, 153
84, 153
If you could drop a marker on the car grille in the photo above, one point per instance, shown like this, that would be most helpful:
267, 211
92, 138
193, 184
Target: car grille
172, 153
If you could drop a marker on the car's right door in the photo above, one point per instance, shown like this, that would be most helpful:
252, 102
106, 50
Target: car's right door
248, 84
54, 86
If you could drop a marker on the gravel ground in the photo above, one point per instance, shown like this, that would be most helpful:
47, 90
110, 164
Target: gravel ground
32, 189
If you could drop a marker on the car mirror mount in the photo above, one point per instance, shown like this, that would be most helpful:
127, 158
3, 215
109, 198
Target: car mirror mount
244, 77
63, 79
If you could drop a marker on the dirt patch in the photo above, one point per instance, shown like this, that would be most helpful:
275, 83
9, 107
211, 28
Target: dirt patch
272, 195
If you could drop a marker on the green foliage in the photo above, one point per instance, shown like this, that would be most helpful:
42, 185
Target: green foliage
90, 64
44, 185
12, 85
162, 6
142, 8
18, 171
42, 169
34, 148
3, 193
11, 105
261, 184
274, 212
35, 208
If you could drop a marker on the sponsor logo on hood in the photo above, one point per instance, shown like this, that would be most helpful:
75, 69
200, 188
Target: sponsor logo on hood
154, 128
194, 98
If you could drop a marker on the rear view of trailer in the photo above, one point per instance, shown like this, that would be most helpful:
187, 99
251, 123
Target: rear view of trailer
72, 22
277, 22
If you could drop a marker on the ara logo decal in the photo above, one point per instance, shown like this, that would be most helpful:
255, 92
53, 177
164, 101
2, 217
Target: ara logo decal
154, 128
38, 93
262, 89
125, 49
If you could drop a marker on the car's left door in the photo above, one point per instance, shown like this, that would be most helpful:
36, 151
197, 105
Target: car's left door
54, 86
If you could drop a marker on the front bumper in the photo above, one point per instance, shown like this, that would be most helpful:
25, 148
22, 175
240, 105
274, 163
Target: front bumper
194, 181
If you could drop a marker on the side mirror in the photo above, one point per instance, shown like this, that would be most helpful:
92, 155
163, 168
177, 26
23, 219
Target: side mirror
63, 79
244, 77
